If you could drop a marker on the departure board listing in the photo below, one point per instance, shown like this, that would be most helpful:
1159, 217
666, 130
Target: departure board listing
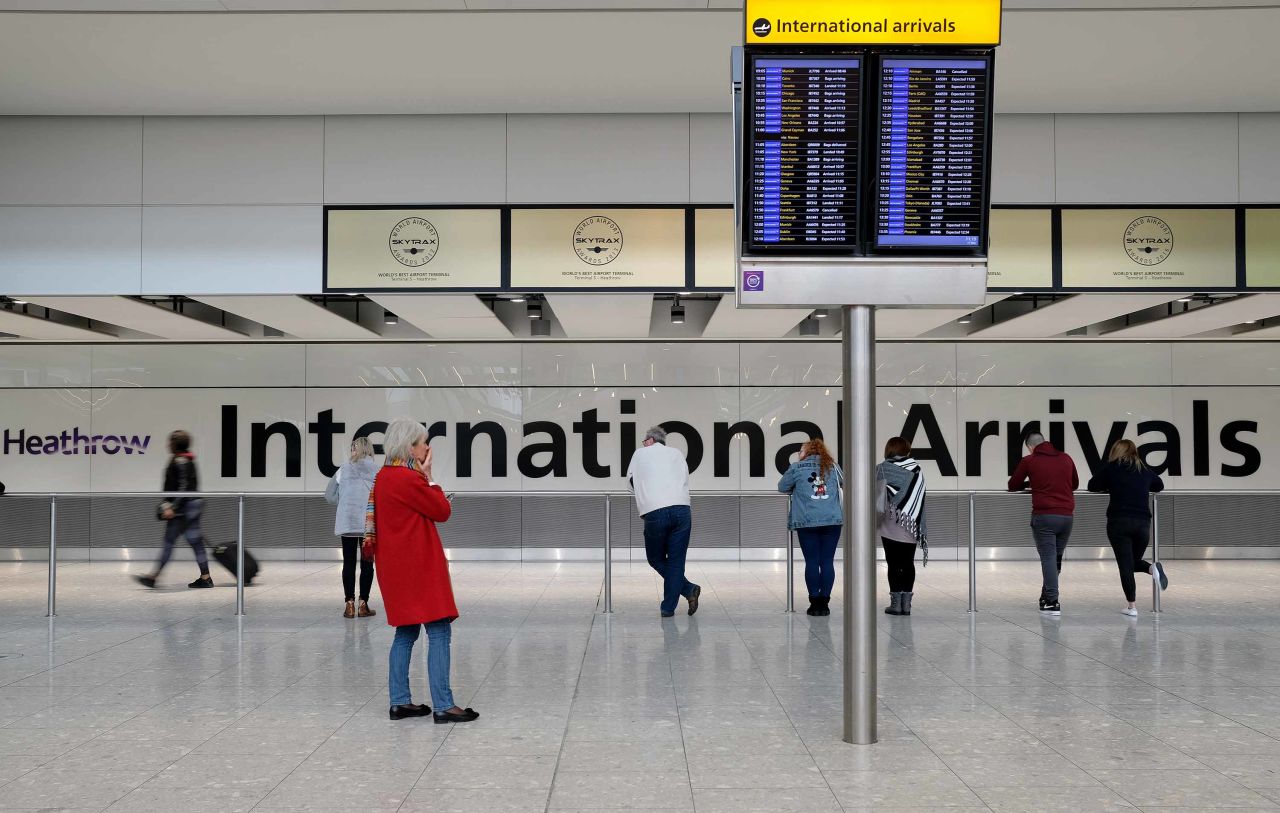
803, 154
932, 154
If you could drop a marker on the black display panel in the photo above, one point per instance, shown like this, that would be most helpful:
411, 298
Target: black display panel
933, 137
802, 153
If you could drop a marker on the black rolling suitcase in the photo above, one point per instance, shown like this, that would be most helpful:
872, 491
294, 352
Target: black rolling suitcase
226, 556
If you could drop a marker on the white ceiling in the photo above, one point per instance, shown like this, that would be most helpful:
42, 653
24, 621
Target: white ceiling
293, 315
637, 316
1076, 57
731, 322
143, 317
906, 323
41, 329
603, 316
1070, 313
1204, 319
445, 316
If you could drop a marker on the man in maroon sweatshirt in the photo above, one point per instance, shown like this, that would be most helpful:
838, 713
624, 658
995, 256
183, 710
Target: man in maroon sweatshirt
1053, 480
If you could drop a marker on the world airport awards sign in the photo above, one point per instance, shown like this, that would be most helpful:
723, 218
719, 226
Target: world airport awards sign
864, 147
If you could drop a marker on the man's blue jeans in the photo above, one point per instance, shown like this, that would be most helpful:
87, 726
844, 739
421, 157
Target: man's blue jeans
666, 543
439, 635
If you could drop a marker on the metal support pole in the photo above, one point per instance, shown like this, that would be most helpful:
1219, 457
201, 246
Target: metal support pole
859, 424
608, 554
973, 558
52, 610
240, 557
1155, 551
791, 574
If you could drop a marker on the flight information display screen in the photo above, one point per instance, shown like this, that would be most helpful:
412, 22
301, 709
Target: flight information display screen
931, 158
802, 153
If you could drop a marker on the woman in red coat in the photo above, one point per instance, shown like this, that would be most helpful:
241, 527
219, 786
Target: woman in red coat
413, 574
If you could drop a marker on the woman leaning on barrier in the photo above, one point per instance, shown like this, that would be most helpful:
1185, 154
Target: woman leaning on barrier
1130, 484
900, 494
413, 574
349, 490
814, 482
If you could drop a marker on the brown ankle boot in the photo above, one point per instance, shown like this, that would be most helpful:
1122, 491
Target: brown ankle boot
365, 610
350, 612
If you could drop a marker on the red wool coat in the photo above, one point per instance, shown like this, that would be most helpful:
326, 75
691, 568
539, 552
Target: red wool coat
412, 571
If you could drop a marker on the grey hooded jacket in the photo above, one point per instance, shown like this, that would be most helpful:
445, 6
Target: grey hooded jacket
349, 490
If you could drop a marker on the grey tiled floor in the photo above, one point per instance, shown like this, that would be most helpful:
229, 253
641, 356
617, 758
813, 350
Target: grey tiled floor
136, 700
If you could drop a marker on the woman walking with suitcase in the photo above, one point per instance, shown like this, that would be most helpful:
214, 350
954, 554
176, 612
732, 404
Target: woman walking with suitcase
181, 514
349, 490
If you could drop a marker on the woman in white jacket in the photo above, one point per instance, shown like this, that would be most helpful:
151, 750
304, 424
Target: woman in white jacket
349, 490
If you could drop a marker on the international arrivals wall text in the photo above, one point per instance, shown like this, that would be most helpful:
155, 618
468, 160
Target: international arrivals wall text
865, 134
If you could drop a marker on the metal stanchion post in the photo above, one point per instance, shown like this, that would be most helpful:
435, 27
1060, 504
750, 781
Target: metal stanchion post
973, 558
859, 421
240, 557
53, 557
791, 573
608, 553
1155, 551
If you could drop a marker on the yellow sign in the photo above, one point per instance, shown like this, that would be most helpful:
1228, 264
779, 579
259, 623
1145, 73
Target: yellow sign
1183, 249
597, 248
713, 261
387, 249
1021, 251
1262, 248
876, 22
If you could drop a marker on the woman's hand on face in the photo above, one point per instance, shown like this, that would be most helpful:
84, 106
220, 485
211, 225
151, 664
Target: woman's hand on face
426, 463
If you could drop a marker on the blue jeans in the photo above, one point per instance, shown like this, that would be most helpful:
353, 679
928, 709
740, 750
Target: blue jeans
666, 543
819, 547
185, 522
439, 634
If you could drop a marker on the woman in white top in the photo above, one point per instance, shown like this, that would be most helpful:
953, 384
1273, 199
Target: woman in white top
349, 490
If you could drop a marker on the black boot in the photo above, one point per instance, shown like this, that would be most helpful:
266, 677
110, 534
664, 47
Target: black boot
813, 606
824, 607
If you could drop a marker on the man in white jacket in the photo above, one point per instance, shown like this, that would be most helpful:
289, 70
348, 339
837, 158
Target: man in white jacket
659, 477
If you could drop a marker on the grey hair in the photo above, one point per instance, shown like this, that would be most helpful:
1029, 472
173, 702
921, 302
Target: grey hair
1034, 439
399, 438
361, 448
657, 434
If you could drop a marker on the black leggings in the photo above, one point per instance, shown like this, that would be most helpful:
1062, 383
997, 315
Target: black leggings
350, 553
901, 558
1128, 537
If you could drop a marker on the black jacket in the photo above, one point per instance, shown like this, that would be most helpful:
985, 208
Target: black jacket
1128, 487
179, 476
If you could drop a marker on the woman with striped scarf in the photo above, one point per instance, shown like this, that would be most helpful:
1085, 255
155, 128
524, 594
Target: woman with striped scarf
900, 494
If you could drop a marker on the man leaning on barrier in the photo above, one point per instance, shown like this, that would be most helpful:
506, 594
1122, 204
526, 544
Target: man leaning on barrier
1053, 479
659, 477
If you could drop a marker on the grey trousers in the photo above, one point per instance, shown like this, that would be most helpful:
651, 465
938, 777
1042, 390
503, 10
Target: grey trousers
1051, 532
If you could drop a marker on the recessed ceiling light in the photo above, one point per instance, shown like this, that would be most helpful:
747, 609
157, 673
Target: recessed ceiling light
516, 299
534, 310
389, 318
19, 301
677, 314
965, 320
1250, 321
820, 313
1185, 299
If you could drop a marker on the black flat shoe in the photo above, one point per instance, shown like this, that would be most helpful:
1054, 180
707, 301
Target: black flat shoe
694, 595
146, 581
201, 582
401, 712
466, 716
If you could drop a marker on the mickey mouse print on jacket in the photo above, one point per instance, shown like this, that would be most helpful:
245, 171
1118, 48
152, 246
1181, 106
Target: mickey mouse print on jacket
815, 499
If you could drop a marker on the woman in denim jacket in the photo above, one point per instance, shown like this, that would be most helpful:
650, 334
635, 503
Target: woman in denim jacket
815, 515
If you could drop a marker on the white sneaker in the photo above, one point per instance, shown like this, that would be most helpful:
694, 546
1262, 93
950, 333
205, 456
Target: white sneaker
1132, 612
